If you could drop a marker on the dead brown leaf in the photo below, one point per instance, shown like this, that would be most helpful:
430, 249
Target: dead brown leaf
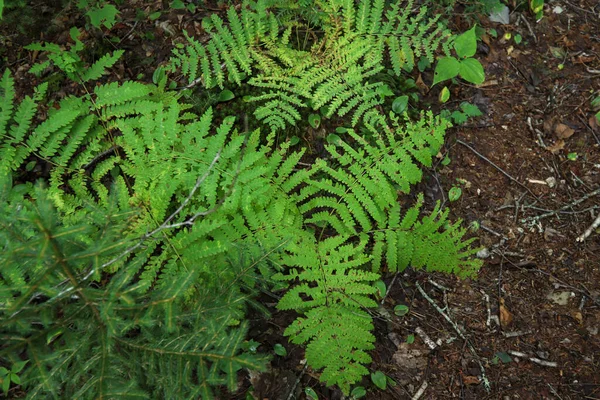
563, 131
470, 380
505, 315
556, 147
423, 88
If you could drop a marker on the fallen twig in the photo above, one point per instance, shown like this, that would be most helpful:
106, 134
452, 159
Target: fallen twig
497, 167
421, 390
570, 205
430, 343
293, 389
589, 230
533, 359
484, 379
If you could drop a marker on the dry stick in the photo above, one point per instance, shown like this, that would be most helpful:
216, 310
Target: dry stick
570, 205
589, 230
430, 343
291, 395
533, 359
486, 382
497, 167
421, 390
529, 27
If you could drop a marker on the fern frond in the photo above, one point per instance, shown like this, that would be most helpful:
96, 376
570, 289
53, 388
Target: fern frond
97, 69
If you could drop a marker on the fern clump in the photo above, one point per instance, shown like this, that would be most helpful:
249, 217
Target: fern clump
130, 269
334, 74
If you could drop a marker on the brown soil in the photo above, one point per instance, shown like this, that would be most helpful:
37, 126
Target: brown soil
529, 324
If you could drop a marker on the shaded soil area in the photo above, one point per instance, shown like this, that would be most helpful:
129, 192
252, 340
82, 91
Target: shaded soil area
529, 170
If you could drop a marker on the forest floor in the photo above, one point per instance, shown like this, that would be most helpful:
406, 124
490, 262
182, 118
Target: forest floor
528, 326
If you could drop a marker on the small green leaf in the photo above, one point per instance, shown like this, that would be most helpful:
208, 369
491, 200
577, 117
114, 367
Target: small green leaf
444, 95
595, 103
311, 394
294, 140
3, 372
446, 68
103, 16
466, 44
177, 5
446, 161
381, 288
52, 335
454, 193
191, 7
15, 379
410, 339
401, 310
400, 104
314, 120
6, 385
572, 156
474, 226
379, 379
341, 129
280, 350
470, 110
384, 90
502, 356
518, 39
158, 75
30, 166
334, 139
471, 70
493, 33
225, 95
358, 392
598, 116
423, 64
154, 16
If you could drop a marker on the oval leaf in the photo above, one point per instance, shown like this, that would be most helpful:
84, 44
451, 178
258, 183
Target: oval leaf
401, 310
314, 120
379, 380
280, 350
466, 44
294, 140
381, 288
446, 68
225, 95
444, 95
334, 139
471, 70
454, 193
400, 104
358, 392
311, 394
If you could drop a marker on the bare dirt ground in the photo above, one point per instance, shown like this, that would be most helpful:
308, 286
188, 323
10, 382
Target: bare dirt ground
529, 169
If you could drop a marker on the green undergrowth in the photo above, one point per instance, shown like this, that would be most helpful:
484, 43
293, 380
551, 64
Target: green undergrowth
129, 269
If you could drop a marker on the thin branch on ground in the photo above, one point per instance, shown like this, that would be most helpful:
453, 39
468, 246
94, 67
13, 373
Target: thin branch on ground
495, 166
484, 379
589, 230
421, 390
562, 209
295, 385
533, 359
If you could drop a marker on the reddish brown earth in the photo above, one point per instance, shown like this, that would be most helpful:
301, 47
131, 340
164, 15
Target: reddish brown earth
543, 286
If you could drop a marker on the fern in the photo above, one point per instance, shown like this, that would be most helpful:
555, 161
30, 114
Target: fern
335, 74
145, 198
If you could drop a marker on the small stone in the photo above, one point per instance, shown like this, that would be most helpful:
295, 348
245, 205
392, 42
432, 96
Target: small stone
483, 253
551, 182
